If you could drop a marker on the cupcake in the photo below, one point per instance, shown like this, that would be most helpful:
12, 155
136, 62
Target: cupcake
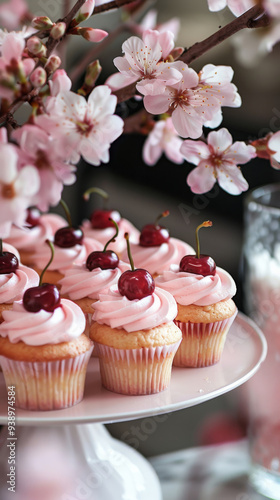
14, 278
101, 228
38, 228
206, 311
44, 352
156, 250
135, 336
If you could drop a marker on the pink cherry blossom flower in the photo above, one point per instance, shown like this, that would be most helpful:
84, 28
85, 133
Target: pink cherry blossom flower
142, 61
48, 156
217, 161
18, 186
189, 105
87, 127
237, 7
163, 139
12, 13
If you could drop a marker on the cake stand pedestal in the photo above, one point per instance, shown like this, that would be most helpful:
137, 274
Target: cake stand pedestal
73, 446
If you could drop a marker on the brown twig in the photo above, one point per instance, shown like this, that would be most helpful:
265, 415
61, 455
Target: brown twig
115, 4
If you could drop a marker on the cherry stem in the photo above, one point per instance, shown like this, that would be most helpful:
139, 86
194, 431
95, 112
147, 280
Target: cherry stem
49, 263
126, 235
163, 214
99, 191
67, 212
206, 223
115, 235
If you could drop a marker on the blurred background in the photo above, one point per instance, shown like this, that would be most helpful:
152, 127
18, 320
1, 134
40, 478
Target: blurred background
141, 192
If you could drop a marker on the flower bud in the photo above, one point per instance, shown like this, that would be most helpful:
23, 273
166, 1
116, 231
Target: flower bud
58, 30
92, 73
175, 54
41, 23
38, 77
92, 35
36, 47
85, 11
52, 64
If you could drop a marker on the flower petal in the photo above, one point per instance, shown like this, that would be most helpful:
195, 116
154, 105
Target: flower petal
187, 122
194, 151
220, 140
201, 179
231, 179
156, 104
240, 153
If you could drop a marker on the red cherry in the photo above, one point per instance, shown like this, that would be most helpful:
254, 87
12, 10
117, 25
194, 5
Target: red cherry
33, 217
153, 234
67, 237
136, 284
8, 263
104, 260
198, 264
100, 219
44, 296
203, 265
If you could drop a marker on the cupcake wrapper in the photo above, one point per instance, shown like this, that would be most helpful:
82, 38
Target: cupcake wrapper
136, 371
202, 343
50, 385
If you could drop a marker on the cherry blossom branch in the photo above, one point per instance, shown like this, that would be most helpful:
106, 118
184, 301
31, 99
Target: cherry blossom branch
253, 18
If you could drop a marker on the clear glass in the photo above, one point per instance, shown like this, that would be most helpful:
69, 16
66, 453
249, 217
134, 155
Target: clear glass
262, 303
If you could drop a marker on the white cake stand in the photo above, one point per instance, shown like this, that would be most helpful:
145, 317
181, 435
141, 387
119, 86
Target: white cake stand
109, 469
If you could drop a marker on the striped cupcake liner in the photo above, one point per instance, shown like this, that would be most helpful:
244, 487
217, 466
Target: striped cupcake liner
49, 385
202, 343
136, 371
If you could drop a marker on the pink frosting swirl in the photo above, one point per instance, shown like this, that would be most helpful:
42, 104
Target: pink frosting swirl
158, 258
64, 324
25, 238
189, 288
103, 235
79, 282
117, 311
65, 257
13, 285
